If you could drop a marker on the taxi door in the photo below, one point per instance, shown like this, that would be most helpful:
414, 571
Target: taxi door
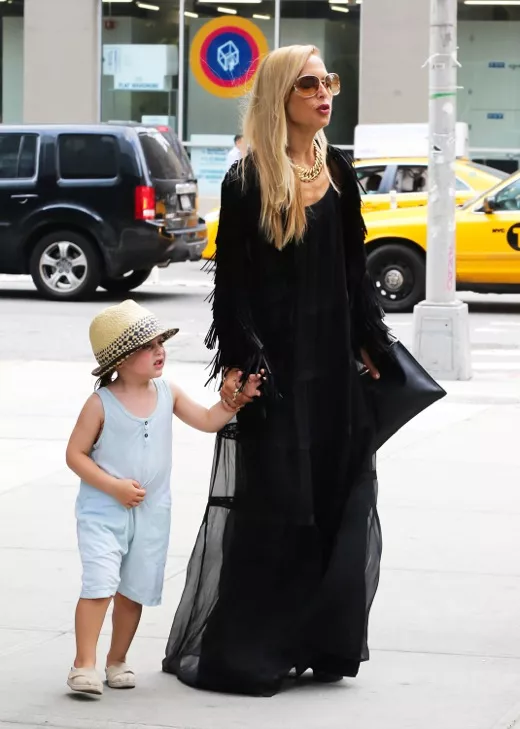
488, 243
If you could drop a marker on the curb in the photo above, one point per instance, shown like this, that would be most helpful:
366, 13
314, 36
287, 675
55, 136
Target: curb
181, 283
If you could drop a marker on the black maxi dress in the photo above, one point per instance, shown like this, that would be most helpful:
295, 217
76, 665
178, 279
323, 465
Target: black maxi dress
286, 564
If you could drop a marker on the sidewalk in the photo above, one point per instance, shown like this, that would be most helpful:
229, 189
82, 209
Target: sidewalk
445, 629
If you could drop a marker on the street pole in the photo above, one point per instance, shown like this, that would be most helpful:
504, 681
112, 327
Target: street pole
441, 322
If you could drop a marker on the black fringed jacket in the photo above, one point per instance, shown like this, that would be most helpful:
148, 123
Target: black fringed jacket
240, 243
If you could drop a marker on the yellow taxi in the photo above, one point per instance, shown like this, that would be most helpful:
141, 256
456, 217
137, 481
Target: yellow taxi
403, 180
487, 247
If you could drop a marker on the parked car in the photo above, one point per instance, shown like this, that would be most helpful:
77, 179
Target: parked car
487, 252
100, 205
407, 178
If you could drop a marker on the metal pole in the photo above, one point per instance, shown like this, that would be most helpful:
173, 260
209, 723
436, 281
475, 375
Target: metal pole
441, 323
440, 276
277, 13
180, 85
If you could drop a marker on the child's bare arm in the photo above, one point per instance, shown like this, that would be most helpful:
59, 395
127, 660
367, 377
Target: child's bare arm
84, 435
213, 419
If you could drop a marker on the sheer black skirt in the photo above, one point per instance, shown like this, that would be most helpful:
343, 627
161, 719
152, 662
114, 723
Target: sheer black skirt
272, 585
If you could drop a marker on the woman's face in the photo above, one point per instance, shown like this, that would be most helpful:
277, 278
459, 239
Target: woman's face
313, 113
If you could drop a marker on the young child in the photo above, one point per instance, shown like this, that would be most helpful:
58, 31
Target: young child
121, 448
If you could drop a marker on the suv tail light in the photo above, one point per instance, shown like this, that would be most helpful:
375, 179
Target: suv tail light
144, 203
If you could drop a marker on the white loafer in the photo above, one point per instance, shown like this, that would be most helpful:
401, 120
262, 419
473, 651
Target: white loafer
120, 676
85, 680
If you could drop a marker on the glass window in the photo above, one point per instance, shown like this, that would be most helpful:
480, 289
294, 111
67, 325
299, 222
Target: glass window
489, 95
17, 156
219, 65
370, 178
509, 197
87, 156
334, 29
163, 164
411, 179
11, 61
140, 62
460, 185
222, 49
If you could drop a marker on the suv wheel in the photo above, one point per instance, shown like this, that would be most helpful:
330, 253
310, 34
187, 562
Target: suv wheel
127, 282
399, 275
65, 266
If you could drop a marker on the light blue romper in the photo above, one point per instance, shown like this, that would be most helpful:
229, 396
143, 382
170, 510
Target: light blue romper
124, 550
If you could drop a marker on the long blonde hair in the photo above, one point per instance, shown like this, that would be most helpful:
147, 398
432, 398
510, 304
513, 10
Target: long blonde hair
282, 217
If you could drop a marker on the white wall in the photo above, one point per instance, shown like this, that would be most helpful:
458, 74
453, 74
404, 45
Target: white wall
394, 46
62, 61
12, 70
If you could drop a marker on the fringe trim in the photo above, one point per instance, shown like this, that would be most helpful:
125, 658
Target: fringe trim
257, 360
371, 330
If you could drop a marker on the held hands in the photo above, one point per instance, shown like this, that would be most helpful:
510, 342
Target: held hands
233, 396
128, 492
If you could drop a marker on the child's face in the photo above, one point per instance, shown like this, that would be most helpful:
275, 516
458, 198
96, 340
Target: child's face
148, 361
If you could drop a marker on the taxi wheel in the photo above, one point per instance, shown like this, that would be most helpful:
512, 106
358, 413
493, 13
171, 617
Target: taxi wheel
399, 275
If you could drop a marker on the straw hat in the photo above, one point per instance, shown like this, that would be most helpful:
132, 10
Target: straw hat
118, 331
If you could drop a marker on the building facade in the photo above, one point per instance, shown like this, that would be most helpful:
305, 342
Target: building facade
187, 62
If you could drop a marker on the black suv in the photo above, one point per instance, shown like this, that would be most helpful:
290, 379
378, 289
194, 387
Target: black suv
99, 205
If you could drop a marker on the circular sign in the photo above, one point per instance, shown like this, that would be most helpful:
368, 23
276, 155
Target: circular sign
225, 55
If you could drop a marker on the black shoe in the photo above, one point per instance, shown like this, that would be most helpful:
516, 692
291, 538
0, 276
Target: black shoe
325, 677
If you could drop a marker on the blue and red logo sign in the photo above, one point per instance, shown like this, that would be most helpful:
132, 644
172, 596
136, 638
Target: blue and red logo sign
225, 55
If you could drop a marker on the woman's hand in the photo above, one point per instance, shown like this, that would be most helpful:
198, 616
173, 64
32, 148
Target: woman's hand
367, 361
230, 392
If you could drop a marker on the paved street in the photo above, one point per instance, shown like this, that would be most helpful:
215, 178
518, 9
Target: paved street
31, 328
445, 642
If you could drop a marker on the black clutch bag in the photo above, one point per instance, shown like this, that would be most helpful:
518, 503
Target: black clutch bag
404, 390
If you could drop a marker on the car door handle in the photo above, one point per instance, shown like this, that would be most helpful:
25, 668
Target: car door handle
23, 198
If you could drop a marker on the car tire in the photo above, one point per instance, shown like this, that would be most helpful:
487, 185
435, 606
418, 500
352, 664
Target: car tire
399, 275
65, 266
128, 282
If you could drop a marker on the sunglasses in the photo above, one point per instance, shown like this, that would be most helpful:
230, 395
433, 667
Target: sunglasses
308, 86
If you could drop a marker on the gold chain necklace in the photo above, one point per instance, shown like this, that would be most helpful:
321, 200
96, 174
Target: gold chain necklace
309, 174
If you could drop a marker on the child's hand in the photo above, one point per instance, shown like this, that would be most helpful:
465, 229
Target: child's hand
253, 383
128, 492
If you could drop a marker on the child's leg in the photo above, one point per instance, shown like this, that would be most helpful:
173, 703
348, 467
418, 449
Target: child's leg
90, 615
125, 621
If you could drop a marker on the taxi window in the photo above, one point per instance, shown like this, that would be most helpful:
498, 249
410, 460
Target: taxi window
370, 178
509, 197
411, 178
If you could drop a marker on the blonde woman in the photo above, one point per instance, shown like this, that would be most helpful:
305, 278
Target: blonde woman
286, 565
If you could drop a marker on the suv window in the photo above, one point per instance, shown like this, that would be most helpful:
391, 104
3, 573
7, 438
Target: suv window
88, 156
370, 178
411, 179
18, 156
162, 161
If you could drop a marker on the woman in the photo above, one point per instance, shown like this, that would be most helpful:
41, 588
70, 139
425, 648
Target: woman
286, 564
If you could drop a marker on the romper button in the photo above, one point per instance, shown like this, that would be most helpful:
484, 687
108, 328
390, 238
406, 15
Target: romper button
146, 435
146, 422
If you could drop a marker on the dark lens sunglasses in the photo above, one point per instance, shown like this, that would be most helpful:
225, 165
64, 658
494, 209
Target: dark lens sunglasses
308, 86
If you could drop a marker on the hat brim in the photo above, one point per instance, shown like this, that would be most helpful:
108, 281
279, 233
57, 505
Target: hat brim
111, 366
